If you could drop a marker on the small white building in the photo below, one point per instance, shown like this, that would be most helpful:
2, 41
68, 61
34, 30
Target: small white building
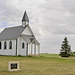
19, 40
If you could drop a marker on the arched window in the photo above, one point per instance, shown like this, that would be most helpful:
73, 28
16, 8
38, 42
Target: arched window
0, 45
10, 45
5, 45
23, 45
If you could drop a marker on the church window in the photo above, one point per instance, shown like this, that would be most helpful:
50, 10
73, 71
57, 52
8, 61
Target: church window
5, 45
0, 45
23, 45
10, 45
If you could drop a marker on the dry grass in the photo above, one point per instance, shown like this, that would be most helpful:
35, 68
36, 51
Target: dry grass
47, 65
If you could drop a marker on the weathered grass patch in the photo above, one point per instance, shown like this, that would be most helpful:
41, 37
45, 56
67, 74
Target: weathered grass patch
48, 64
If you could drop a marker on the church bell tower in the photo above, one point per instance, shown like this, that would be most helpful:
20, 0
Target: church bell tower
25, 20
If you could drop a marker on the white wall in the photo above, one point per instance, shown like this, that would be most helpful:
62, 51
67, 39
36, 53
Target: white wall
29, 49
37, 48
21, 51
32, 49
8, 51
27, 31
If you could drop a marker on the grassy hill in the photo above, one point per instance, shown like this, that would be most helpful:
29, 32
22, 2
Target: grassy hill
47, 64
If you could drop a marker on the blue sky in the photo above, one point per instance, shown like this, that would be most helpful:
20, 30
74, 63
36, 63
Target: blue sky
50, 20
4, 25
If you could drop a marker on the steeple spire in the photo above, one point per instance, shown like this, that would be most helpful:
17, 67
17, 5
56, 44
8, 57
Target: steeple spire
25, 19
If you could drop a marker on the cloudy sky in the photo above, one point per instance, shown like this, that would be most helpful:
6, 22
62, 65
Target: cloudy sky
50, 20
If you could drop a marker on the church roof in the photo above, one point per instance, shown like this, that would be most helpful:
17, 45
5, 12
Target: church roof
30, 39
25, 17
27, 38
11, 33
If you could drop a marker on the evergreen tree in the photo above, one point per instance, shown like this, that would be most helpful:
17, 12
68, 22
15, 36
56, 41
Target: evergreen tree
65, 48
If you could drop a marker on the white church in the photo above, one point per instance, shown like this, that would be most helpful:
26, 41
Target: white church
19, 40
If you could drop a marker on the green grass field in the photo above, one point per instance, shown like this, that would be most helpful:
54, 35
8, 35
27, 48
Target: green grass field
48, 64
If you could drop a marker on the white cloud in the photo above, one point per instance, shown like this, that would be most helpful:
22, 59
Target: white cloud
50, 20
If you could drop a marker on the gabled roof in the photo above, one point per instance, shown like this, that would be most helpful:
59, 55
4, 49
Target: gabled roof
11, 33
25, 17
30, 39
15, 32
27, 38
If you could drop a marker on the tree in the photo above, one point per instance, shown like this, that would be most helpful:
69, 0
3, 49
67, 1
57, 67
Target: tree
65, 50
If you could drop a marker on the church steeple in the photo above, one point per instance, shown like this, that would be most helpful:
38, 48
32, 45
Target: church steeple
25, 20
